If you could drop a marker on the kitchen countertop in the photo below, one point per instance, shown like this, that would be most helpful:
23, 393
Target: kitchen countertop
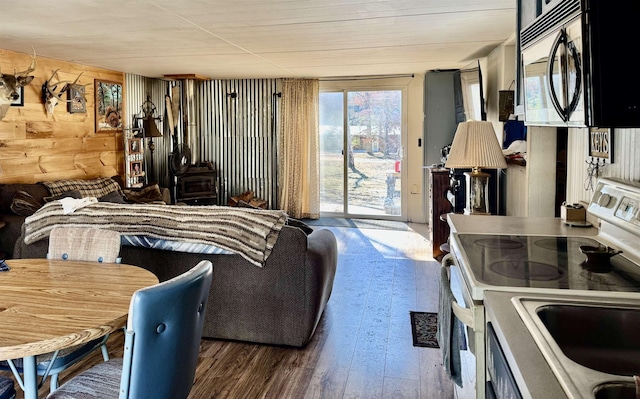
493, 224
531, 372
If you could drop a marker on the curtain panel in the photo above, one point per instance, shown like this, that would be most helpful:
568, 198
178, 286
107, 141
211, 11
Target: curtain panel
298, 147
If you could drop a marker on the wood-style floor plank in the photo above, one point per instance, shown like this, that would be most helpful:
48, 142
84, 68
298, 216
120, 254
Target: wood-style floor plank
362, 347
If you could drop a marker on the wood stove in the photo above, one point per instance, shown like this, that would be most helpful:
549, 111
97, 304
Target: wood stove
198, 185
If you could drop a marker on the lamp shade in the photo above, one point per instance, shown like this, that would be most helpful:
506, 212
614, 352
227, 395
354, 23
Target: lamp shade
475, 145
150, 128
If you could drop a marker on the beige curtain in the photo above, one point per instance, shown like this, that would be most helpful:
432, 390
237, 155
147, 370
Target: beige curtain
298, 149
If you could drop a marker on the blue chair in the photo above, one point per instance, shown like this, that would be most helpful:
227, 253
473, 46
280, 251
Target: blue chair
162, 342
7, 388
82, 244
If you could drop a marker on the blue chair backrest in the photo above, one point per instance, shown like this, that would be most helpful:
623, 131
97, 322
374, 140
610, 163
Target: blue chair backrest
163, 336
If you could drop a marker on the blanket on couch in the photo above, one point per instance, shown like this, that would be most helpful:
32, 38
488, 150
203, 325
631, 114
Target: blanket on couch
251, 233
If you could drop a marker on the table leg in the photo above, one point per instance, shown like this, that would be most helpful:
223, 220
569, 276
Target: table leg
30, 377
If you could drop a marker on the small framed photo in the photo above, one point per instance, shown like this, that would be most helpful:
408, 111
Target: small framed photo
136, 168
134, 146
77, 101
19, 102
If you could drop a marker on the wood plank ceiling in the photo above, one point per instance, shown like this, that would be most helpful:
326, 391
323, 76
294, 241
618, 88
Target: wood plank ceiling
260, 38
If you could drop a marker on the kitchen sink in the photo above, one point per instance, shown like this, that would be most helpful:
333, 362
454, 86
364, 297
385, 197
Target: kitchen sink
600, 338
616, 390
592, 346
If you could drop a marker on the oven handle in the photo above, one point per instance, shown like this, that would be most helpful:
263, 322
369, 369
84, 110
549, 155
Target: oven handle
463, 314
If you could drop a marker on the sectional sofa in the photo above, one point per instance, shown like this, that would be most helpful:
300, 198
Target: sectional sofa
279, 303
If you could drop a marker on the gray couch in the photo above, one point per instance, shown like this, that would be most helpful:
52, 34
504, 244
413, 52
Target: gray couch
278, 304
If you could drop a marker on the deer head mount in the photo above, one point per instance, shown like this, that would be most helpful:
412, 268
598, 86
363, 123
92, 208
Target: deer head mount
52, 91
10, 85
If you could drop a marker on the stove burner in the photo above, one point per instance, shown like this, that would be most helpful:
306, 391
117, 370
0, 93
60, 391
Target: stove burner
527, 270
498, 243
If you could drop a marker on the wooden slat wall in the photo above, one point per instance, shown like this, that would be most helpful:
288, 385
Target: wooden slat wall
35, 148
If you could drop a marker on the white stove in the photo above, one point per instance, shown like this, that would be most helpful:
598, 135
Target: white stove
544, 256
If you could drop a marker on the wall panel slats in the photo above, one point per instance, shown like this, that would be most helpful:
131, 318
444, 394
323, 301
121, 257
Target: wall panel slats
237, 131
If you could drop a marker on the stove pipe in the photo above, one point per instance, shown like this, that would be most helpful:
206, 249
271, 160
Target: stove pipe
189, 127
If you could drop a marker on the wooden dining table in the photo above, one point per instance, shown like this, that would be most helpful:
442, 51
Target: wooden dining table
47, 305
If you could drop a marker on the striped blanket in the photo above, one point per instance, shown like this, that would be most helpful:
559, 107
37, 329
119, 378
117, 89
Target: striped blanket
251, 233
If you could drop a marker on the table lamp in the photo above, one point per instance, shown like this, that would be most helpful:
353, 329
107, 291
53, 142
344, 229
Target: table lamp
476, 146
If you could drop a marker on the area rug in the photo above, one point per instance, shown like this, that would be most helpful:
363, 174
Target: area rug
358, 223
424, 328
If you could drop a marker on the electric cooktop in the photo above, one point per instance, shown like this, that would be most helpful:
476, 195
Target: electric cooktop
545, 262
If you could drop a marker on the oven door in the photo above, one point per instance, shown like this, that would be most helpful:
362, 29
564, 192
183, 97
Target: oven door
471, 314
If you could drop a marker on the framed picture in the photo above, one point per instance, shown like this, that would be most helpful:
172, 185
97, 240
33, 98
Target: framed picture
77, 102
108, 104
134, 146
136, 168
19, 102
601, 143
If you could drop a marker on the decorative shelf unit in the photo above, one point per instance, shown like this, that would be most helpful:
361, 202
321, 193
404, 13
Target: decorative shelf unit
134, 164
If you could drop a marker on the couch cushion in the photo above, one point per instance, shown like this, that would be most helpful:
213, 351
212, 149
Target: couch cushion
8, 191
24, 204
69, 194
114, 197
150, 193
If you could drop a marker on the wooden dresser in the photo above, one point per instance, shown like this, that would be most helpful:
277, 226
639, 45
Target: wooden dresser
439, 205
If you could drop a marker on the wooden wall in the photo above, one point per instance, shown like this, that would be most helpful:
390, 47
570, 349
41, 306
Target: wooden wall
36, 148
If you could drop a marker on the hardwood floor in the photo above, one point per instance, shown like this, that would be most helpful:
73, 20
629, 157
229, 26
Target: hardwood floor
362, 347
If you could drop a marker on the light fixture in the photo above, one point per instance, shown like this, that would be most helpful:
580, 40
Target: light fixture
150, 131
476, 146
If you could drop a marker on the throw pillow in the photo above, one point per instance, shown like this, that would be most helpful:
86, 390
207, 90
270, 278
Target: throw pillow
299, 224
150, 193
98, 187
24, 204
71, 194
114, 197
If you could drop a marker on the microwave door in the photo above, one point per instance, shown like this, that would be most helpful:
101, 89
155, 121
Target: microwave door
538, 103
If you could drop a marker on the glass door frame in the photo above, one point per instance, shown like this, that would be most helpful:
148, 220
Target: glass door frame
359, 86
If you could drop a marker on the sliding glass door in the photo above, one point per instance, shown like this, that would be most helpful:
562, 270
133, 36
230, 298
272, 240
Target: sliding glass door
361, 136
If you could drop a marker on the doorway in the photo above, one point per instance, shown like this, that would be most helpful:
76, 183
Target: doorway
361, 136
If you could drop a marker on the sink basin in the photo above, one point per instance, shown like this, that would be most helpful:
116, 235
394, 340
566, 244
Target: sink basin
616, 390
592, 346
600, 338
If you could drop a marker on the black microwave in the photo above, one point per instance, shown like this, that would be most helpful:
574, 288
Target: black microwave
577, 69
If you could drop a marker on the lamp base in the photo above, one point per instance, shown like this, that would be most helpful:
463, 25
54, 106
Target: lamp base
477, 183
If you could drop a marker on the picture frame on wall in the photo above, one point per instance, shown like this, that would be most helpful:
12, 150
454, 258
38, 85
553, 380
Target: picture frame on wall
77, 103
135, 146
108, 106
136, 168
19, 102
